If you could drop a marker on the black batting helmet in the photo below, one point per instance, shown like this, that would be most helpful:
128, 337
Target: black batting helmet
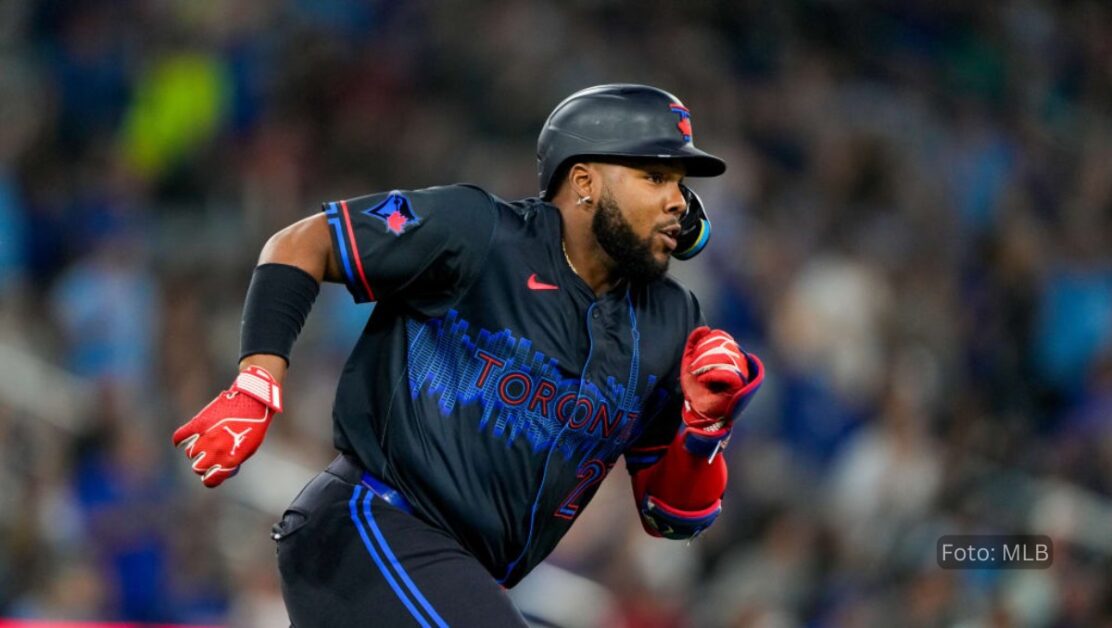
625, 120
620, 120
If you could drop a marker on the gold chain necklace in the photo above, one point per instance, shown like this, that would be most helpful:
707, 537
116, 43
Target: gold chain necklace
568, 259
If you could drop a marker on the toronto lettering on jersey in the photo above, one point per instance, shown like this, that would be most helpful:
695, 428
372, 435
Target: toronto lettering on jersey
520, 392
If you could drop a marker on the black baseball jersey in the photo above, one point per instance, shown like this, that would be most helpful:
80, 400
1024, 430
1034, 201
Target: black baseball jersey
491, 386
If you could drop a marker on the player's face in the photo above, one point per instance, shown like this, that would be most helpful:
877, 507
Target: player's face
637, 218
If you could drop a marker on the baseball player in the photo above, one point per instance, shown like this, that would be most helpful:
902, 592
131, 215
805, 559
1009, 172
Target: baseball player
516, 350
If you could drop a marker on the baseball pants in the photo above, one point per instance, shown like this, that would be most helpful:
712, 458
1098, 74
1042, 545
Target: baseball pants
347, 557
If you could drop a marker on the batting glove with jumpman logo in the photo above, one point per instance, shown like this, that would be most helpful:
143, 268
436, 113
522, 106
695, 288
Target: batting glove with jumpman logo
230, 428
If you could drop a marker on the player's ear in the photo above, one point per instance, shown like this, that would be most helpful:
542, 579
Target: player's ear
582, 178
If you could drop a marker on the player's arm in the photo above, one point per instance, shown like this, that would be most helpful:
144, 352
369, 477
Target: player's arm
680, 493
417, 247
307, 246
283, 288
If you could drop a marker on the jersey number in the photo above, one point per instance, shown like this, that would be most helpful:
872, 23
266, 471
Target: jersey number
589, 475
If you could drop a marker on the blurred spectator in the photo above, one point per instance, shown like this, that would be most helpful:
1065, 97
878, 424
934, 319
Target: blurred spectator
106, 305
120, 485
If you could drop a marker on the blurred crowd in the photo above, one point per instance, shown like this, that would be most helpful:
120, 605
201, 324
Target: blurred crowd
915, 233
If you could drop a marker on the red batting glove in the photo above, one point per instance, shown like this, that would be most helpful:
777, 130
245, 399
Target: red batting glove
231, 427
718, 379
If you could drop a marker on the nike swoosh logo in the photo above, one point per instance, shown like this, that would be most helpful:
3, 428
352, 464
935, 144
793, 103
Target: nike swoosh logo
534, 284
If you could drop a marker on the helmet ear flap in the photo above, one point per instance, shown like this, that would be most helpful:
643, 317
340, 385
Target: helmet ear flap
694, 227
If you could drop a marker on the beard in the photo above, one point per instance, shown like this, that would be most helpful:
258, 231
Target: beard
633, 257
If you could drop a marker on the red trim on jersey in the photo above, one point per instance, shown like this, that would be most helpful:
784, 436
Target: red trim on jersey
355, 252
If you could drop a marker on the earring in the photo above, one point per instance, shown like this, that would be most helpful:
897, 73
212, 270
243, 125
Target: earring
583, 199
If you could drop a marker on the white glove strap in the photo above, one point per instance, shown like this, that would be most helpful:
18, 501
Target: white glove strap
256, 383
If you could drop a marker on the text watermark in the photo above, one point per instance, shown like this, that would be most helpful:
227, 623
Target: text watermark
995, 551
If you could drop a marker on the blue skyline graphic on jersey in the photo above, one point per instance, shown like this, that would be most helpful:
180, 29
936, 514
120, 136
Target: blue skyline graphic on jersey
522, 393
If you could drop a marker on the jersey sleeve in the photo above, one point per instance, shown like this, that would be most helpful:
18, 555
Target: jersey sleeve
664, 413
401, 244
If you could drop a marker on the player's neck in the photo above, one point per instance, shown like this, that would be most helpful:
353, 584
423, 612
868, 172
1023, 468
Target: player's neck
587, 259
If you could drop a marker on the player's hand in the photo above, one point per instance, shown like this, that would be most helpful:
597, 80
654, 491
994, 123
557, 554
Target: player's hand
718, 379
230, 428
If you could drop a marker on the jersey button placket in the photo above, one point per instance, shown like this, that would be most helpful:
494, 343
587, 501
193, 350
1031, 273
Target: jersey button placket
598, 324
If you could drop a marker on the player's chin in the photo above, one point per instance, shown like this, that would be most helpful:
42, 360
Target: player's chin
661, 258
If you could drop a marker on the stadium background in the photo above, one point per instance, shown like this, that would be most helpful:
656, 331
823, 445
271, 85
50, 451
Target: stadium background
915, 233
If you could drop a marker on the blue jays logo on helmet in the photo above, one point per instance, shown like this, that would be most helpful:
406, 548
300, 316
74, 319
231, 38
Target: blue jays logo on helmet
684, 124
396, 211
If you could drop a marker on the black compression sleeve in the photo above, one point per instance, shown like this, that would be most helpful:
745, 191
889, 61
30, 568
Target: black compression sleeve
278, 302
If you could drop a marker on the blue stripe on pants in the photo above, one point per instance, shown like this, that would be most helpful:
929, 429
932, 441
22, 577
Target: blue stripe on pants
399, 569
377, 558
